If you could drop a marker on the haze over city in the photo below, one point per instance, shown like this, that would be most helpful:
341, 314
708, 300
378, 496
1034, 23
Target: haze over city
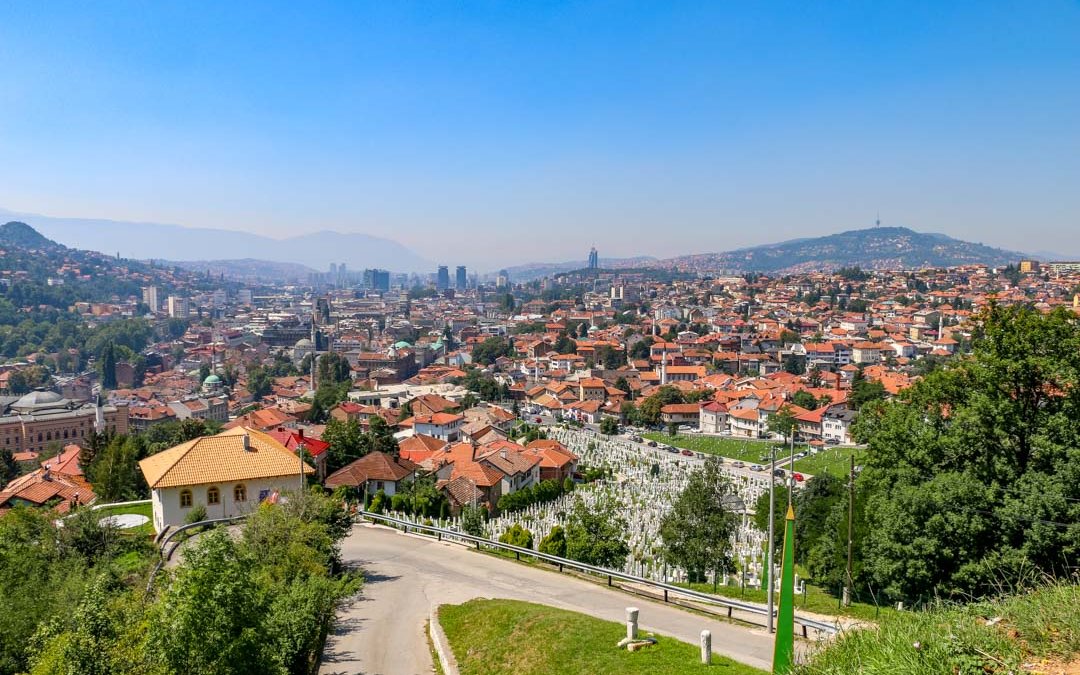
490, 135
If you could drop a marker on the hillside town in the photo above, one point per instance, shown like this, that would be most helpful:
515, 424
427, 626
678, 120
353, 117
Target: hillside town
451, 371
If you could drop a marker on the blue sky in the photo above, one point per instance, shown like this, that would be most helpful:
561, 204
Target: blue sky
495, 133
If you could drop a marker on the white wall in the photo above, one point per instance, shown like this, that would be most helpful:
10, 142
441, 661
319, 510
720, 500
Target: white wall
166, 501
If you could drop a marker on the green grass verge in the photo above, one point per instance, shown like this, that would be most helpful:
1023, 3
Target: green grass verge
834, 460
816, 600
493, 637
1041, 625
137, 509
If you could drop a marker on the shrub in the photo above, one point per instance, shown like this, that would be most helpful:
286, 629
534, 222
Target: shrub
555, 542
517, 536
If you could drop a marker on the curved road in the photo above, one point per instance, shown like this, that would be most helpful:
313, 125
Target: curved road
381, 632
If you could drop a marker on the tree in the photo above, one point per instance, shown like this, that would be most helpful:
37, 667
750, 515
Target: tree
472, 519
259, 382
864, 391
761, 513
794, 365
491, 349
609, 426
209, 617
594, 534
804, 399
108, 367
783, 423
115, 473
554, 543
970, 475
697, 530
9, 469
622, 385
649, 411
346, 442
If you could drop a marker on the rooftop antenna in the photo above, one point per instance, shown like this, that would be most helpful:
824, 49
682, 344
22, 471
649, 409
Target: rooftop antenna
877, 220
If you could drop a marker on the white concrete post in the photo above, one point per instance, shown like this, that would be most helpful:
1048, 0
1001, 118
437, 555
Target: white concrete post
706, 647
631, 623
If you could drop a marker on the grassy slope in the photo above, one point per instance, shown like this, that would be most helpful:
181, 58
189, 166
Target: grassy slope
1041, 625
832, 460
490, 637
816, 600
138, 509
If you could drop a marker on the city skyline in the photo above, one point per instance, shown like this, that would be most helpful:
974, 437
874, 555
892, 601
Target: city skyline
429, 126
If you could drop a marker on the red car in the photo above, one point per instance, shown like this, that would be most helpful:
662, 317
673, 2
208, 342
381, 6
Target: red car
688, 453
538, 420
798, 477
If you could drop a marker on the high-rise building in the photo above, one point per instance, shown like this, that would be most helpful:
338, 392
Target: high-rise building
461, 278
377, 280
503, 279
151, 298
594, 259
442, 279
179, 308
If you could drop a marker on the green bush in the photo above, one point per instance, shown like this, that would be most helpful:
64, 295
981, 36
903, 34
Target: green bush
517, 536
554, 543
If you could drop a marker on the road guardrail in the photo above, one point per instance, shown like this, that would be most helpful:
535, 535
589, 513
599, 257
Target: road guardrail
562, 563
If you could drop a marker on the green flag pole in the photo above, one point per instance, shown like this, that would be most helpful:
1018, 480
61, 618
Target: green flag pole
784, 644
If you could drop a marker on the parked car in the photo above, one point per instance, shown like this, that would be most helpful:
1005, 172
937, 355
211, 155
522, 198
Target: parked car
651, 444
798, 477
538, 420
757, 467
672, 449
688, 453
779, 473
738, 464
832, 441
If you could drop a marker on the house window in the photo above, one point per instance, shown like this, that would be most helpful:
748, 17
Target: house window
239, 493
213, 496
185, 499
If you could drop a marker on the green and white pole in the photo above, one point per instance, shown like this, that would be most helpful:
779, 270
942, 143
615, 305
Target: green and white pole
784, 644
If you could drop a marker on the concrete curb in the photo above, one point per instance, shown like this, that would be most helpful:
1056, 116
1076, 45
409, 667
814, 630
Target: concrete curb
442, 646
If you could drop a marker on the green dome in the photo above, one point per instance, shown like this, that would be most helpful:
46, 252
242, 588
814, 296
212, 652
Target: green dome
402, 345
212, 379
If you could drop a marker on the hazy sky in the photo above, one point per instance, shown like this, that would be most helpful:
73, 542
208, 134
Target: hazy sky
498, 132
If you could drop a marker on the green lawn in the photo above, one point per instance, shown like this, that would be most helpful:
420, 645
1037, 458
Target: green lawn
139, 509
815, 600
745, 449
833, 460
493, 637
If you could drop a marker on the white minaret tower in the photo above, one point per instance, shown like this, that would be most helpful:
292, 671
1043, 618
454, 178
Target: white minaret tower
99, 416
663, 368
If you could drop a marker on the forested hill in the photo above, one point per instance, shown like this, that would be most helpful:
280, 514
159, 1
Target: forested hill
22, 235
40, 283
876, 248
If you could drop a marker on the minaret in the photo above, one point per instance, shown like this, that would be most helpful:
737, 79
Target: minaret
663, 368
99, 416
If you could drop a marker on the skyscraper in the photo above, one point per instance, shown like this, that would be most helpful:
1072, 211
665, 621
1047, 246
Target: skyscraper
150, 297
442, 280
594, 259
461, 279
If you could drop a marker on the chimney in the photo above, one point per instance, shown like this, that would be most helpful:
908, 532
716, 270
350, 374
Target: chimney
246, 440
301, 430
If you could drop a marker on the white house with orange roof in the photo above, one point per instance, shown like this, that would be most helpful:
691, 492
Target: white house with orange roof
229, 474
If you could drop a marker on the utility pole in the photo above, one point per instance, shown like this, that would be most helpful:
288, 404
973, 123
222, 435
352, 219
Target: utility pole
850, 534
772, 501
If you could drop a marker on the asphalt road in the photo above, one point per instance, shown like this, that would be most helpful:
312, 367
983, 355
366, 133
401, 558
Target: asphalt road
381, 632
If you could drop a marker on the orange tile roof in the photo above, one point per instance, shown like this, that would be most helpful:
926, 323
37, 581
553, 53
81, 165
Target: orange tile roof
219, 459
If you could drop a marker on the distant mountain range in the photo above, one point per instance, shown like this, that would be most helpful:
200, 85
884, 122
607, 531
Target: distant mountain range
245, 269
156, 241
874, 248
